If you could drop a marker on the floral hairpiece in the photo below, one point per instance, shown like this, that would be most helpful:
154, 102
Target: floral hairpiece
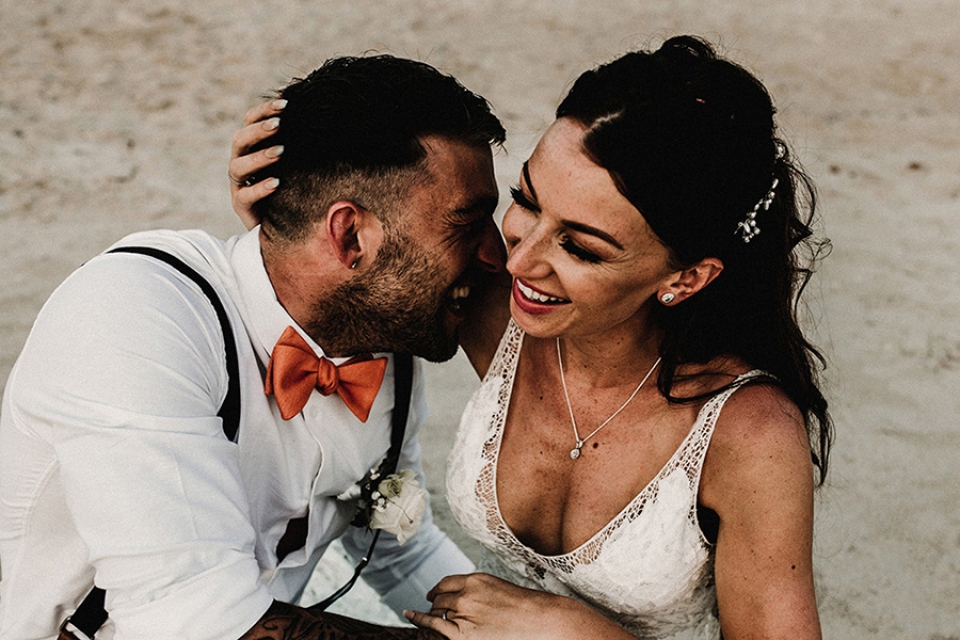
748, 228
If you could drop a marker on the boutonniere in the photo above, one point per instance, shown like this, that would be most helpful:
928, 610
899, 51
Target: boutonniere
394, 503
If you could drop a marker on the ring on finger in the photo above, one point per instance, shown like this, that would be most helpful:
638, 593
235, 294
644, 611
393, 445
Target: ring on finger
445, 612
249, 181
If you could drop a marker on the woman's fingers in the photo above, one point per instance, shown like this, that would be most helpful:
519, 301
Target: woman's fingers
259, 124
448, 584
243, 192
246, 188
263, 111
447, 602
244, 166
446, 628
251, 134
244, 197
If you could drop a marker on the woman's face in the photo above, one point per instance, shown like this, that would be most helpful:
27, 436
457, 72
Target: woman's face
583, 259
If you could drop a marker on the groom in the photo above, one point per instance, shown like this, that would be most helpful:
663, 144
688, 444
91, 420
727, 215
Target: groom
190, 419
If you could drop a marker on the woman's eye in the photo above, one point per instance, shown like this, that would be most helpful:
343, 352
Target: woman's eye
577, 251
522, 200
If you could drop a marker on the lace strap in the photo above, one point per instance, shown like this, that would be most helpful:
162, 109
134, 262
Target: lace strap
699, 441
507, 351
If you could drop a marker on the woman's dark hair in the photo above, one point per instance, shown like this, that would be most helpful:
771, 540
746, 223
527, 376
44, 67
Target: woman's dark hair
689, 138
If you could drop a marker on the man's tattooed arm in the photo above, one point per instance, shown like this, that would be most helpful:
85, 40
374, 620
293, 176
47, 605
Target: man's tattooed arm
288, 622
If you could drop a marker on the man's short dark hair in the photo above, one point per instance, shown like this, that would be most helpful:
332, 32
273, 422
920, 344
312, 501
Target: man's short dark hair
352, 130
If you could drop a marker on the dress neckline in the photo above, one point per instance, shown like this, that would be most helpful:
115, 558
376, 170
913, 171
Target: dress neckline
699, 423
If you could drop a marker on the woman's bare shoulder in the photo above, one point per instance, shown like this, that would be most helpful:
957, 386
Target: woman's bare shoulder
759, 445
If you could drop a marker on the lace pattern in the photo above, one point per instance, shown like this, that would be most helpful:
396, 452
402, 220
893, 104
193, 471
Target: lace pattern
649, 568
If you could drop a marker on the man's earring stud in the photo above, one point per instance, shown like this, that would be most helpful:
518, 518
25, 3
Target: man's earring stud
667, 298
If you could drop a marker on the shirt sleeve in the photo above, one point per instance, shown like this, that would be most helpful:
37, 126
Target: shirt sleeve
123, 375
403, 574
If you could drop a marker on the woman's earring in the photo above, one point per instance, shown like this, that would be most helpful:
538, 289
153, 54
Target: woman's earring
667, 298
354, 264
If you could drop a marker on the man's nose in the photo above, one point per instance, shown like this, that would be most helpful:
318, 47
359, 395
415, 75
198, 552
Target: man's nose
492, 253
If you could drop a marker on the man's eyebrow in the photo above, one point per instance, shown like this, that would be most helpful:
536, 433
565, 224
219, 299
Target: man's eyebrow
483, 205
593, 231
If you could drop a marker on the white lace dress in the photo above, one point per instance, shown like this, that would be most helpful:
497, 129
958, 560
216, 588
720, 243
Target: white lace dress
650, 569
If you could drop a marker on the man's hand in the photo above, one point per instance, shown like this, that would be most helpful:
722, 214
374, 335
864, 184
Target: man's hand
288, 622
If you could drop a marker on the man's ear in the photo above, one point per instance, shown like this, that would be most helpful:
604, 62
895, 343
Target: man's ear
689, 281
353, 232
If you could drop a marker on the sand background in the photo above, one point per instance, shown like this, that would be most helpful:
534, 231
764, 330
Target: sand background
116, 117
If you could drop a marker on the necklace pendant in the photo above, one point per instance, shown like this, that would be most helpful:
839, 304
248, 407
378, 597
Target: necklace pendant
575, 452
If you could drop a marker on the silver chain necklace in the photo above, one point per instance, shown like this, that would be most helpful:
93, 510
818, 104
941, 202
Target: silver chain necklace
575, 452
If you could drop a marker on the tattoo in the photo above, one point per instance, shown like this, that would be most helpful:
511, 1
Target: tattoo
287, 622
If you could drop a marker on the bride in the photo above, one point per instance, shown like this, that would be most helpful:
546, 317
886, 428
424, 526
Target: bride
641, 456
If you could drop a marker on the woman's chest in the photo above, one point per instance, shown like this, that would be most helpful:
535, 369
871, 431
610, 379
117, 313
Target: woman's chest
553, 501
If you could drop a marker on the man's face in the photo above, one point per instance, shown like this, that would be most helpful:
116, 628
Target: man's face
445, 241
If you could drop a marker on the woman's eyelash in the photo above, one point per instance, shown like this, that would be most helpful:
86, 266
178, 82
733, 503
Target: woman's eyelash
566, 243
578, 252
521, 199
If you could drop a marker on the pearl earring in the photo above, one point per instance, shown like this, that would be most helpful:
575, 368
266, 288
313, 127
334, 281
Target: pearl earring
667, 298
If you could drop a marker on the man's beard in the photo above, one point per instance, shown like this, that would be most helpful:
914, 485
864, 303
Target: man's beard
397, 305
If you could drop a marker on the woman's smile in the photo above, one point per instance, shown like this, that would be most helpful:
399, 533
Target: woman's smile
532, 301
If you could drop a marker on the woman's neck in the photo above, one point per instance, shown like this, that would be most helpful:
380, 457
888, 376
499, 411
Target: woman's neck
609, 359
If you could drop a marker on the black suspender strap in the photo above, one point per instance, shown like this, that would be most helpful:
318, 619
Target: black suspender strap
90, 615
88, 618
403, 387
230, 409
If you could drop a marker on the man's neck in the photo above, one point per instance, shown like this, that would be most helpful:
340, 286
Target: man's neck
300, 279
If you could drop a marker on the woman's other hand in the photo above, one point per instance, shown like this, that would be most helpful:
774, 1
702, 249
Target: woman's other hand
479, 606
259, 123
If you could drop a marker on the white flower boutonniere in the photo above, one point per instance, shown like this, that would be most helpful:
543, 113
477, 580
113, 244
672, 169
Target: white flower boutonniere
398, 505
395, 504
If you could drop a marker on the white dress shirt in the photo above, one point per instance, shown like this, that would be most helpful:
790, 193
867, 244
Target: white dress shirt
113, 462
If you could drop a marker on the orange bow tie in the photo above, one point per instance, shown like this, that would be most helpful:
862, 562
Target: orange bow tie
295, 371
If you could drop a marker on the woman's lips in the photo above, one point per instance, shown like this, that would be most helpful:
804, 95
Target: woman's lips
533, 301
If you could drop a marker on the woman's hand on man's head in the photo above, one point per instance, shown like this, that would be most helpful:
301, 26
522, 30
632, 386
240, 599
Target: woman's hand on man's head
259, 124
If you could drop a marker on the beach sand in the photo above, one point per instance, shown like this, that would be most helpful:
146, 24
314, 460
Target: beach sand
117, 117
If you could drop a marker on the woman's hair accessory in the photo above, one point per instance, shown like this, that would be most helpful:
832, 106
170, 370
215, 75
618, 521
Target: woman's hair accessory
748, 229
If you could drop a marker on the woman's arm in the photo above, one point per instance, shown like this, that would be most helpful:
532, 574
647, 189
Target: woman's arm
758, 477
481, 607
